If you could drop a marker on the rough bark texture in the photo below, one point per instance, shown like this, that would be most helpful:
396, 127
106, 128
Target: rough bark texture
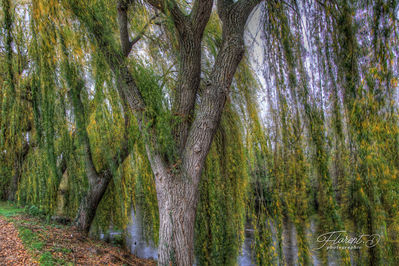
177, 202
62, 191
178, 195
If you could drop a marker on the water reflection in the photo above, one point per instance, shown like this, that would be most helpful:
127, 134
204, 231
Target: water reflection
135, 238
137, 244
244, 259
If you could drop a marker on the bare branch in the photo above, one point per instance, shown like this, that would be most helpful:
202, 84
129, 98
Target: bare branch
170, 6
126, 44
142, 32
200, 15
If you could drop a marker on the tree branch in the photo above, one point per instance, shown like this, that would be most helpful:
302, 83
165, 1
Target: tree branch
115, 59
127, 88
234, 17
76, 83
170, 6
190, 33
142, 32
77, 104
223, 7
200, 15
126, 44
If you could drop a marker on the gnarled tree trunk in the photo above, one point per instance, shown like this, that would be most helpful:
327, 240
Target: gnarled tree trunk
88, 206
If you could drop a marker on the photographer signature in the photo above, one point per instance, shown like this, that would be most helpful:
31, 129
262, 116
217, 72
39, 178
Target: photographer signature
340, 239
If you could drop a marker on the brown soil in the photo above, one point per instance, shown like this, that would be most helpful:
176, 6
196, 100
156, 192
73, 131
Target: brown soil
65, 243
12, 251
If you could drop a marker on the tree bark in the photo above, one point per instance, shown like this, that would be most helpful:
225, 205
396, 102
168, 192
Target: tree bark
88, 206
177, 203
63, 189
98, 180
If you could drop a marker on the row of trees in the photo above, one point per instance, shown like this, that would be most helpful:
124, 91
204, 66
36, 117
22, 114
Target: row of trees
110, 104
331, 79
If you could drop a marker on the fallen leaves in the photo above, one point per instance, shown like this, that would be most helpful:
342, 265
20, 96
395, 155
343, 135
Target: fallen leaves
64, 244
12, 252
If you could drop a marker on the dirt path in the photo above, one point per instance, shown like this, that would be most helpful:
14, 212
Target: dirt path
28, 240
12, 252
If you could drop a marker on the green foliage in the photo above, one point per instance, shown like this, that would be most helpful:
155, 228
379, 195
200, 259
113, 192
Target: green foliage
30, 239
34, 211
46, 259
9, 209
221, 211
162, 120
326, 147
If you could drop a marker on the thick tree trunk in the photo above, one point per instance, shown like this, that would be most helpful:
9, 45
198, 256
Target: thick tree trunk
176, 232
88, 205
178, 193
177, 203
177, 196
63, 190
13, 186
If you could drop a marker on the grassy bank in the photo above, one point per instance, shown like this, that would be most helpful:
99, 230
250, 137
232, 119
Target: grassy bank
51, 243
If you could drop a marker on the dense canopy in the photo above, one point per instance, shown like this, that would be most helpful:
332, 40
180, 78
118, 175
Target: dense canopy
222, 121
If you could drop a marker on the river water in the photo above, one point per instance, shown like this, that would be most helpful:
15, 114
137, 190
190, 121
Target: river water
137, 244
135, 240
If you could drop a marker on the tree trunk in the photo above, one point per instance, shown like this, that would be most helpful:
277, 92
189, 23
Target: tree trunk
88, 205
61, 195
98, 180
177, 195
176, 231
177, 203
177, 187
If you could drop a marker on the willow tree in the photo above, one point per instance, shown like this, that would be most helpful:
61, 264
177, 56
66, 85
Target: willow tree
177, 158
16, 103
315, 50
